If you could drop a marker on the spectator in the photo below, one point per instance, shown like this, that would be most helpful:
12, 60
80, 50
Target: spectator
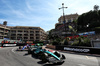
9, 42
2, 42
14, 42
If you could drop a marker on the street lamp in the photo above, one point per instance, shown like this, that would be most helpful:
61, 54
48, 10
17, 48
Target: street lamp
63, 15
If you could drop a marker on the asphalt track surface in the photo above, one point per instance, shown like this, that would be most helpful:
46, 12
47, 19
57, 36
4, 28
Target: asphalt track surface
10, 57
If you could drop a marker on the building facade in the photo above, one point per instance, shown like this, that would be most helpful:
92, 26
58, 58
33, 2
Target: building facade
25, 33
4, 31
68, 18
65, 29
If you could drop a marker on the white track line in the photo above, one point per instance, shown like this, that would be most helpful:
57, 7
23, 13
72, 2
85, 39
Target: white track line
87, 57
13, 50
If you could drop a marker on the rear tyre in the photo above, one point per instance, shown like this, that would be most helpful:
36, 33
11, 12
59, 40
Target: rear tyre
59, 63
63, 57
29, 51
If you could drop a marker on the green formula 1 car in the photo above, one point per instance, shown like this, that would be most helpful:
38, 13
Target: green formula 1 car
47, 56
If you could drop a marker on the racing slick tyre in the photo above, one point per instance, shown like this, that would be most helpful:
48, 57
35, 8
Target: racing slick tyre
57, 53
29, 51
40, 55
44, 57
62, 58
33, 54
59, 63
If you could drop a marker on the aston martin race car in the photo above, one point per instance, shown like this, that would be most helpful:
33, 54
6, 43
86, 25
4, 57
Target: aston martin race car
47, 56
55, 58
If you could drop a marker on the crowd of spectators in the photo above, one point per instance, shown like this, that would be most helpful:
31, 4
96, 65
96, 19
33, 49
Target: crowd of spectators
95, 37
5, 41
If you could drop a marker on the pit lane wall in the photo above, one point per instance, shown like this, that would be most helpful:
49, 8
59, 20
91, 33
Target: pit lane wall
91, 50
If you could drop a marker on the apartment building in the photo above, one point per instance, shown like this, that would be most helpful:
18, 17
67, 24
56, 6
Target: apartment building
27, 33
23, 33
4, 31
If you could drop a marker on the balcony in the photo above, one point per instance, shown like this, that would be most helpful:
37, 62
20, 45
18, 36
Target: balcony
1, 30
13, 32
37, 38
19, 35
7, 28
5, 35
13, 38
25, 38
37, 35
25, 34
13, 35
31, 38
6, 31
0, 34
19, 32
31, 34
37, 32
19, 38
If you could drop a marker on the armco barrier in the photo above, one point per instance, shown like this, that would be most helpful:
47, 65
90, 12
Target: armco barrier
12, 44
79, 49
8, 44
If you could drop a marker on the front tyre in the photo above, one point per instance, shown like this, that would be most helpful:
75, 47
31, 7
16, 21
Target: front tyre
59, 63
44, 57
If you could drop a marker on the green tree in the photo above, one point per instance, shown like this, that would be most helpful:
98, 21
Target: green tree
91, 18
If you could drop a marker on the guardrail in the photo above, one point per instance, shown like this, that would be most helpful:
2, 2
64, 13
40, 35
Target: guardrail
91, 50
79, 49
12, 44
